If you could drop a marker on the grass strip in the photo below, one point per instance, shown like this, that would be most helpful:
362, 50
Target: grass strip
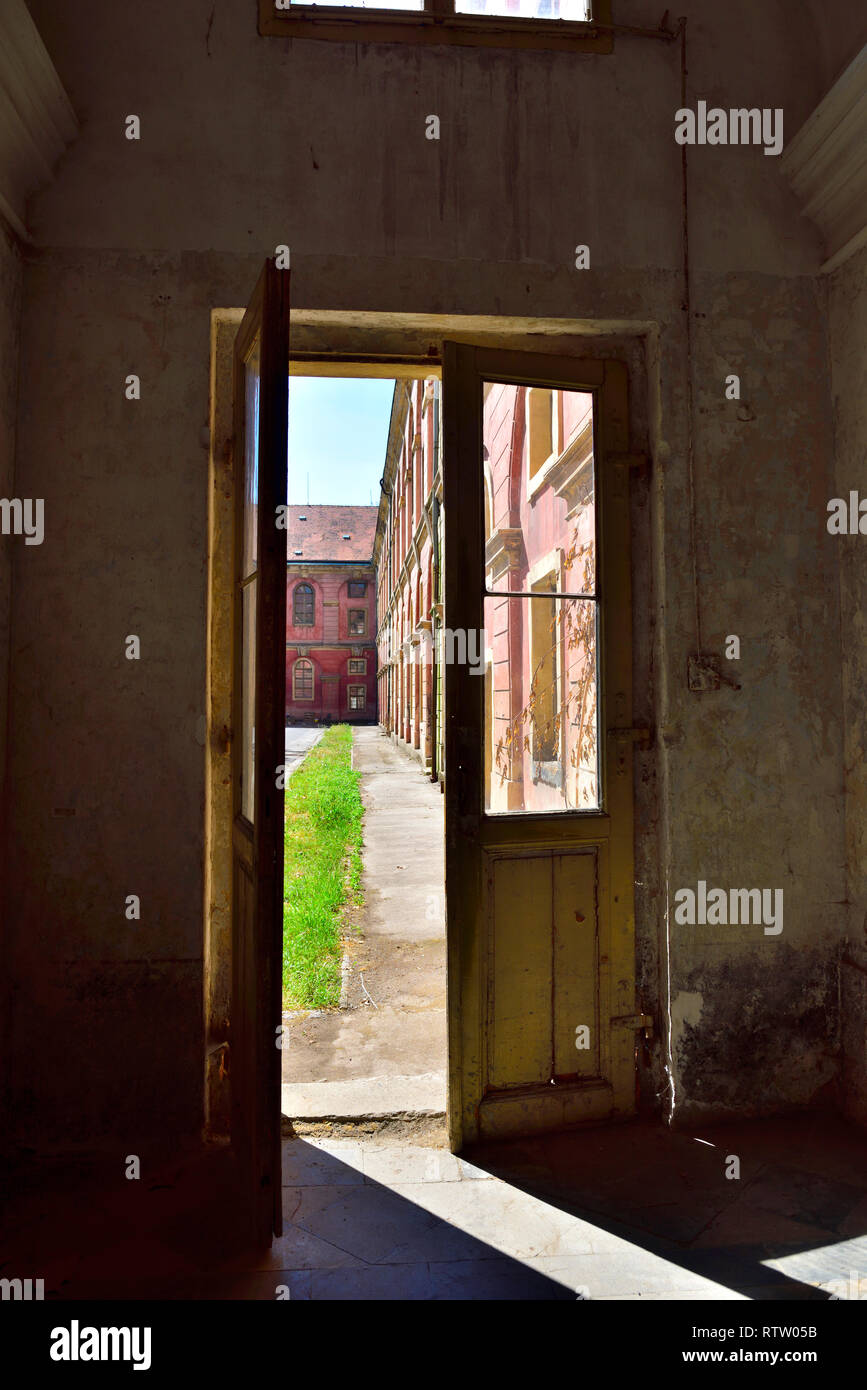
322, 869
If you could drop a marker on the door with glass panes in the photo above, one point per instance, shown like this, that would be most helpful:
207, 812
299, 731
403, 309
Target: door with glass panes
261, 402
539, 737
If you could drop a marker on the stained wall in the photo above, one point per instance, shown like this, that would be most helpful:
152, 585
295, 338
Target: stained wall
848, 351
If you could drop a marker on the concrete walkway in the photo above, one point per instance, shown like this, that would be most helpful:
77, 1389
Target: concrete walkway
299, 741
387, 1057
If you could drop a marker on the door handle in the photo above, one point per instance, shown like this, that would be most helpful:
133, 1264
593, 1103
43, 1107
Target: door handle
632, 734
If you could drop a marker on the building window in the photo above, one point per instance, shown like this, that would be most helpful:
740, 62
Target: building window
541, 407
302, 680
357, 588
356, 666
303, 606
357, 697
546, 640
357, 622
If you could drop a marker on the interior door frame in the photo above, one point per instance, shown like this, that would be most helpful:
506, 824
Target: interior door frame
469, 831
326, 340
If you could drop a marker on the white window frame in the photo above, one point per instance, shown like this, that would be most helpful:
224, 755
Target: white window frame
303, 699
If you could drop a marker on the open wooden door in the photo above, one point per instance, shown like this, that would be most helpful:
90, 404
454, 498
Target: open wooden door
538, 758
259, 702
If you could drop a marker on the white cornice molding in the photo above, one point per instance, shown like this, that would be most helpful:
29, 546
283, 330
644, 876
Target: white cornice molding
37, 121
826, 164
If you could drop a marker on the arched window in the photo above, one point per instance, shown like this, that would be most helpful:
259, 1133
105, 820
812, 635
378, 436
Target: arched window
303, 605
302, 680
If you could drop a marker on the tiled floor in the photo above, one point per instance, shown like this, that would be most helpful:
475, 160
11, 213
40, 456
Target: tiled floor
634, 1211
626, 1213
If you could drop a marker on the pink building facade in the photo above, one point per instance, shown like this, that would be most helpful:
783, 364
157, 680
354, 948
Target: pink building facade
537, 653
407, 555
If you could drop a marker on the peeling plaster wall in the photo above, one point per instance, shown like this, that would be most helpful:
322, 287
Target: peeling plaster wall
753, 776
250, 142
848, 337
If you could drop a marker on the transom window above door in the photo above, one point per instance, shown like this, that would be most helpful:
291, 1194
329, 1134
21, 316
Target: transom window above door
582, 26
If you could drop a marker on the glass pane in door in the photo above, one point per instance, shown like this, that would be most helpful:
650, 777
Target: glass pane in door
540, 638
249, 586
251, 461
539, 502
248, 697
541, 734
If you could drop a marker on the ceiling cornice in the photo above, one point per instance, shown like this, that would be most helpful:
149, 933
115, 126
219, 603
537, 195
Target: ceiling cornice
826, 165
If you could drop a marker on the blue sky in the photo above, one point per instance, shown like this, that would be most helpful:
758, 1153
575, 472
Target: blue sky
338, 430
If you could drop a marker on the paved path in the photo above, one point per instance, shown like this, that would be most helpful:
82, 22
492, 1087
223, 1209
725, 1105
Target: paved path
366, 1061
299, 741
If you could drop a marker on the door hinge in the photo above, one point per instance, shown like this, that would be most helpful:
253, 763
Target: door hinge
635, 1021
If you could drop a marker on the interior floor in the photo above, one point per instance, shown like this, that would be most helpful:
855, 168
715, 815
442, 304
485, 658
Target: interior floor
632, 1211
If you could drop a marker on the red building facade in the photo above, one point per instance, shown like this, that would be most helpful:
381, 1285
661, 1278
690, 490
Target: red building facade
330, 616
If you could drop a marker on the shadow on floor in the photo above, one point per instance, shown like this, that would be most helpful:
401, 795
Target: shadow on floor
792, 1226
633, 1211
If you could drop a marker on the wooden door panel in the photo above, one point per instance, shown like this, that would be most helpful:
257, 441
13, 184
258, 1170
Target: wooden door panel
543, 970
259, 697
520, 972
575, 930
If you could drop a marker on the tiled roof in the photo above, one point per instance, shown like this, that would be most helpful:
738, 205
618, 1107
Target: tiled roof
323, 535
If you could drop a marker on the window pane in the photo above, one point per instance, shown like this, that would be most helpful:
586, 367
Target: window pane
539, 503
302, 680
527, 9
303, 606
541, 738
251, 459
248, 697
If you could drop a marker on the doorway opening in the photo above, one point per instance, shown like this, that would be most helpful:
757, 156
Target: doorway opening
364, 962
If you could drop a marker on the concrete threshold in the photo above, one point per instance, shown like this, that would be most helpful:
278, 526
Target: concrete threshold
369, 1098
